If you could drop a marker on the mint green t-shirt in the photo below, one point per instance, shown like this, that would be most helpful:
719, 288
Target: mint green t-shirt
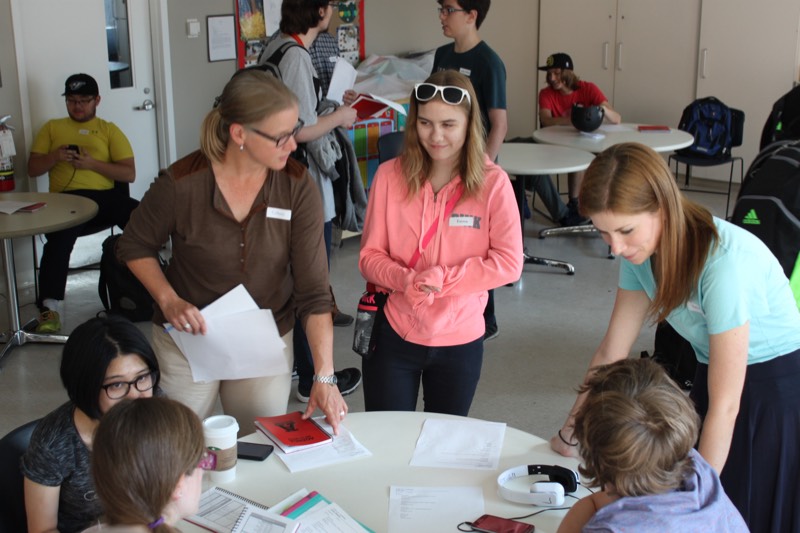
742, 281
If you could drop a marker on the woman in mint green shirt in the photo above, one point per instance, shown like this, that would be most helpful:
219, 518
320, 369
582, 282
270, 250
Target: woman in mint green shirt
723, 290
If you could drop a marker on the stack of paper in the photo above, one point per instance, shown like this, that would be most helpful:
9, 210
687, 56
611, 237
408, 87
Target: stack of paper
317, 514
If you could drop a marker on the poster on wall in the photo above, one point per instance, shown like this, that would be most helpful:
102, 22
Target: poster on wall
259, 19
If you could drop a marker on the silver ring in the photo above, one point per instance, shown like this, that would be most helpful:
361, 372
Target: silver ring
187, 326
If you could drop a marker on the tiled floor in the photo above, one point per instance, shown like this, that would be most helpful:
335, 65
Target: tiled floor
550, 324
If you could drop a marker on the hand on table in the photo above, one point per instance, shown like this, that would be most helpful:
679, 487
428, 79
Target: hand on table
558, 445
329, 400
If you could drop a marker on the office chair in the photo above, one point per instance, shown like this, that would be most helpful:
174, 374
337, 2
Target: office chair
737, 133
390, 145
12, 497
121, 188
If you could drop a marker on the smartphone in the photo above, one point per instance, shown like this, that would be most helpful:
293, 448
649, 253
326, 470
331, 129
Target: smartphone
253, 450
73, 148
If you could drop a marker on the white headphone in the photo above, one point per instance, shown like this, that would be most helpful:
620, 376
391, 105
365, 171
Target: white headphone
541, 493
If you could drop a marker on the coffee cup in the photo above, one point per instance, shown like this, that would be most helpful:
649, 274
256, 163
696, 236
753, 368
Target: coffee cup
220, 434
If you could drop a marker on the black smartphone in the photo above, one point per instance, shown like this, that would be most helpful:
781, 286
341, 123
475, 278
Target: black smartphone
73, 148
253, 450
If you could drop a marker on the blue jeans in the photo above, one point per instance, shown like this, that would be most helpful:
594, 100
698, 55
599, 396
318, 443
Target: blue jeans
449, 375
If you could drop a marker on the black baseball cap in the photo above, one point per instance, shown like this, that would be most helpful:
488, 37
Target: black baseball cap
82, 84
559, 60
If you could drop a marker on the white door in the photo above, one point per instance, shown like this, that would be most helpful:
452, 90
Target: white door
69, 36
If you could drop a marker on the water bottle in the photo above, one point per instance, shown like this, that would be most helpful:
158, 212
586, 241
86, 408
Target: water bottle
369, 306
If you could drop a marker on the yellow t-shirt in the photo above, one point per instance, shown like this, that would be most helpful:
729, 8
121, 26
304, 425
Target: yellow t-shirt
102, 140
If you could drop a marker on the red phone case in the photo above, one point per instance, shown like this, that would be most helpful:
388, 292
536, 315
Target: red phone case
498, 524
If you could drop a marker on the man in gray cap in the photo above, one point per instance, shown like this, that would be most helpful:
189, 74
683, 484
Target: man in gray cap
83, 155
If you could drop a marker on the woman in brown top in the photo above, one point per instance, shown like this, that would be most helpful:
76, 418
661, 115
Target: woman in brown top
238, 211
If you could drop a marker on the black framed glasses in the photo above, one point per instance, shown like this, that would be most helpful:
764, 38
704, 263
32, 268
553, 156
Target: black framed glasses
80, 101
283, 139
120, 389
447, 11
450, 93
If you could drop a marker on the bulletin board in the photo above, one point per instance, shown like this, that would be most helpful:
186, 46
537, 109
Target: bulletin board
258, 19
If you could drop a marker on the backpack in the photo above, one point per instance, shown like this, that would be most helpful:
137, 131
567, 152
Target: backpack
768, 205
783, 122
271, 64
675, 354
120, 291
709, 121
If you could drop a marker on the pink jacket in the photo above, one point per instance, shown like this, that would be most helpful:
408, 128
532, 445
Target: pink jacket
477, 249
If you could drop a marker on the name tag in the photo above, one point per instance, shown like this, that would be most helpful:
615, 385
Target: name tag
693, 307
462, 221
465, 71
84, 132
281, 214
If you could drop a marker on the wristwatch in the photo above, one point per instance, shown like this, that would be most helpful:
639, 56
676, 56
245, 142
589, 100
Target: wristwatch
330, 380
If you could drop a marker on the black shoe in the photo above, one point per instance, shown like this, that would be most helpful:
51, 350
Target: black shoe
342, 320
347, 380
573, 217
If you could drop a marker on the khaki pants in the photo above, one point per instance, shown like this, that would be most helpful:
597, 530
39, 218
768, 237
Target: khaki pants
244, 399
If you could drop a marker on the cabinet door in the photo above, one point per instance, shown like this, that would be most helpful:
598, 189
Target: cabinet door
655, 67
747, 59
585, 30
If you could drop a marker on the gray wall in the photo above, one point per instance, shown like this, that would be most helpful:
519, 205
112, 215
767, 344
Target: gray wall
195, 81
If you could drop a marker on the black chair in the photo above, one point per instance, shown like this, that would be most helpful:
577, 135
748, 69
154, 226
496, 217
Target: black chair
12, 497
737, 133
390, 145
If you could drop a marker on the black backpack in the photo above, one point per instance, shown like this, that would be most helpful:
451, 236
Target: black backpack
120, 291
783, 122
675, 354
710, 122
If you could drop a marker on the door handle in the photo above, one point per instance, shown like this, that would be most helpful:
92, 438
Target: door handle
147, 105
619, 56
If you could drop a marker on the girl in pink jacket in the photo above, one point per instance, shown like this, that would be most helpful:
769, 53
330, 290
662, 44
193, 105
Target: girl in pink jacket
434, 328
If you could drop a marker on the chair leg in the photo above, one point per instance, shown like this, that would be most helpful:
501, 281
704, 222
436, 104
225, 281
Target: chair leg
35, 269
688, 174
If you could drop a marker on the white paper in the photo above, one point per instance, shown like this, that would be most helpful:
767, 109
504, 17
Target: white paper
241, 341
329, 519
344, 447
342, 79
593, 135
432, 509
445, 443
614, 128
9, 206
7, 148
394, 105
254, 520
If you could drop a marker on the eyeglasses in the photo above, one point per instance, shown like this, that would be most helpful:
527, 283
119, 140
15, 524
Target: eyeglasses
208, 461
80, 101
120, 389
450, 94
447, 11
283, 139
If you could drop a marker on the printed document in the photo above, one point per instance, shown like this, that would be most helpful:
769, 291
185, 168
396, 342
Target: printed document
432, 509
344, 447
445, 443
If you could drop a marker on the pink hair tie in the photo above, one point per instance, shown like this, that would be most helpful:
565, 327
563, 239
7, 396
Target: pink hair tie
153, 525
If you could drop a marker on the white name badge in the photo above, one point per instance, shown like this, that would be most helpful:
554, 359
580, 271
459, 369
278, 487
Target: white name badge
281, 214
84, 132
465, 71
462, 221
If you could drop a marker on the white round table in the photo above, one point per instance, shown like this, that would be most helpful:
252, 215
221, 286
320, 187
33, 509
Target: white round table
62, 211
567, 135
361, 487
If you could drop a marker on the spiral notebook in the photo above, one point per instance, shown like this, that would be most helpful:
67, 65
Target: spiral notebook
223, 511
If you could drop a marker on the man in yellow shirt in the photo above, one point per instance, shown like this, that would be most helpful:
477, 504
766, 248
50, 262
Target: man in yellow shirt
83, 155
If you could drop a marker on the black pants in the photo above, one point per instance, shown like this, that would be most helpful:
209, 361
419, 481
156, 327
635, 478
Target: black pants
114, 208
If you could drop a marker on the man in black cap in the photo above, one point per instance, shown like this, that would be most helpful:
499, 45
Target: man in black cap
564, 88
83, 155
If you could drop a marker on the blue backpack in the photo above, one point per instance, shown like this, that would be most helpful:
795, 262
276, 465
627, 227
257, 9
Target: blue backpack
709, 121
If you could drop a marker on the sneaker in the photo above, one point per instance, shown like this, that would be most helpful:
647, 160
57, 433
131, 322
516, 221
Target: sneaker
491, 332
347, 380
49, 322
295, 375
573, 216
342, 320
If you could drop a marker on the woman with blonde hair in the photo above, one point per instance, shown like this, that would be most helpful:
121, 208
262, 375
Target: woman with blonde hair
722, 289
147, 466
238, 211
442, 228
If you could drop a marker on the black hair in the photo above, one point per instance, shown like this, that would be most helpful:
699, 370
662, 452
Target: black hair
299, 16
90, 349
481, 6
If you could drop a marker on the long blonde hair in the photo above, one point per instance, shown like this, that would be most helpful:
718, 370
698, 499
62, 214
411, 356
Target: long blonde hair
630, 178
250, 96
140, 451
415, 161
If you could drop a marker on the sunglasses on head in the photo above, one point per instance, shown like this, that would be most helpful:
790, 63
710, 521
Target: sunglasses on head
450, 94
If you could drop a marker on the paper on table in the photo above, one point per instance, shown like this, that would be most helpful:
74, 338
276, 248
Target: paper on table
344, 447
342, 79
329, 519
9, 206
254, 520
614, 128
432, 509
241, 341
446, 443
